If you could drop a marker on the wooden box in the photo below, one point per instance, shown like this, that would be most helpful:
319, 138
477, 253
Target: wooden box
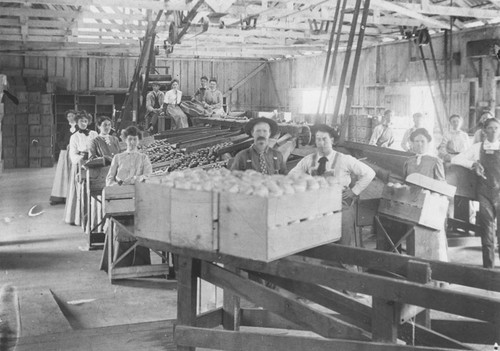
193, 215
35, 163
9, 118
152, 214
34, 108
23, 140
21, 118
415, 205
47, 119
35, 130
22, 108
9, 152
45, 141
46, 109
46, 99
22, 162
22, 130
119, 200
104, 99
35, 151
34, 118
46, 151
34, 97
10, 107
47, 162
22, 151
266, 229
9, 130
8, 141
9, 163
22, 96
46, 130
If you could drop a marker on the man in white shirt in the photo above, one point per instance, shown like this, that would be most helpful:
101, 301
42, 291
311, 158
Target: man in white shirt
484, 159
328, 162
454, 141
382, 134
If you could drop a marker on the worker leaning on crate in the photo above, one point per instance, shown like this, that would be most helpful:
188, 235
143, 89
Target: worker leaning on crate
328, 162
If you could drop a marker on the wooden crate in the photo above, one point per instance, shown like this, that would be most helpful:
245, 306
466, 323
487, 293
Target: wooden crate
152, 212
35, 151
34, 108
47, 119
193, 215
9, 118
22, 130
47, 162
9, 130
9, 163
45, 141
22, 108
35, 163
46, 130
10, 107
119, 200
35, 130
9, 152
22, 162
46, 109
21, 118
265, 229
22, 151
415, 205
23, 140
34, 118
8, 141
104, 99
22, 96
34, 97
46, 99
46, 151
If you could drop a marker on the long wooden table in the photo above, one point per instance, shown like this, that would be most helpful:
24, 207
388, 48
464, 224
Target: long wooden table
317, 275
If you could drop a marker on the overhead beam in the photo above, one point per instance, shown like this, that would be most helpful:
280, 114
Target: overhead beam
453, 11
155, 5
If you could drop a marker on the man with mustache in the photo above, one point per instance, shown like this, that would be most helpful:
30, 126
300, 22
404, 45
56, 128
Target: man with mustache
260, 156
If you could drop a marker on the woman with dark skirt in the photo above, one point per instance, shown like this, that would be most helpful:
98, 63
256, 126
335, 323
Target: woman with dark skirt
63, 169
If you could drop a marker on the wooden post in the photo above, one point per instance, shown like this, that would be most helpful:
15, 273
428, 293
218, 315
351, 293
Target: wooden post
231, 317
384, 321
419, 272
187, 281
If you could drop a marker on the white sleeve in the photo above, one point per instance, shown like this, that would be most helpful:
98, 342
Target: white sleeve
375, 135
302, 167
364, 173
468, 157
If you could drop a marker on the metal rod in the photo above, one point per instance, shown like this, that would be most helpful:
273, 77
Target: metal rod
441, 92
328, 54
422, 56
354, 71
334, 58
347, 59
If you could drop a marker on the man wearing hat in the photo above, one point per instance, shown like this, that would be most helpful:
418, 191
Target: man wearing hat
260, 156
154, 105
328, 162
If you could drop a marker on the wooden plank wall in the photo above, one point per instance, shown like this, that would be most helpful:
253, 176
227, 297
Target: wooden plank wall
90, 74
394, 67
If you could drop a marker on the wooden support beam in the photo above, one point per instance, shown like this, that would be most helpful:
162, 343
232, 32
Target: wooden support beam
187, 280
247, 341
453, 11
289, 309
244, 80
454, 273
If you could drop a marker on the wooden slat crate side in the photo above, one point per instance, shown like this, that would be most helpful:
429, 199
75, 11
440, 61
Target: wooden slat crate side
119, 192
153, 212
434, 211
296, 237
119, 207
290, 208
242, 224
192, 219
399, 210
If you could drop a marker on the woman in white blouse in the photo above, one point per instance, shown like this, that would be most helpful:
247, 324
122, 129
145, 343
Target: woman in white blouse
78, 153
173, 98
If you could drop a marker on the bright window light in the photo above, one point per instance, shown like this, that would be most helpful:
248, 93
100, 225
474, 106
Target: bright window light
310, 100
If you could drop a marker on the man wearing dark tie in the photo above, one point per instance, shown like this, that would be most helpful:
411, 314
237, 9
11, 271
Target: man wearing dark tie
330, 163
